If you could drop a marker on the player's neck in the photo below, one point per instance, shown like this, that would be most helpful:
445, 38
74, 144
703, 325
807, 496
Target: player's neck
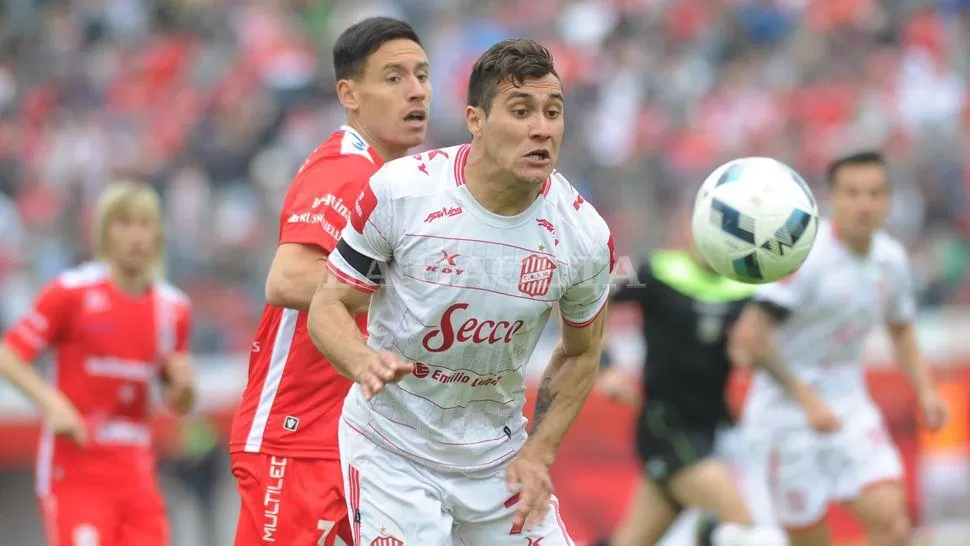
386, 152
134, 283
860, 246
496, 190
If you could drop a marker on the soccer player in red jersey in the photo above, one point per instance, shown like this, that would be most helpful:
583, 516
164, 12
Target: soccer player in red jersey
284, 438
115, 327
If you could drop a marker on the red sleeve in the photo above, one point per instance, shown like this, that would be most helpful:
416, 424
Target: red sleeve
44, 325
318, 203
183, 329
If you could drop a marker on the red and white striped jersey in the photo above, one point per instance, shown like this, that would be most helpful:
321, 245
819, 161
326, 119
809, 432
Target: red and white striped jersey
465, 295
109, 347
291, 405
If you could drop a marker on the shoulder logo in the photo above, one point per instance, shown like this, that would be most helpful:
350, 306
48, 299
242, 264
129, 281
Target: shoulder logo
578, 202
363, 208
543, 223
353, 144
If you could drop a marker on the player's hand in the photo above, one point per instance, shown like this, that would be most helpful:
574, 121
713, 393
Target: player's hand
618, 386
180, 398
385, 368
821, 417
64, 420
935, 413
530, 480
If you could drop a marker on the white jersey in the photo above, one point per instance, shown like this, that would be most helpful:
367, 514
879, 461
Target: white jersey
465, 295
832, 304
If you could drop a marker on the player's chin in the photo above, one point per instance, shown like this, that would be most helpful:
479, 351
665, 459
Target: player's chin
411, 137
535, 174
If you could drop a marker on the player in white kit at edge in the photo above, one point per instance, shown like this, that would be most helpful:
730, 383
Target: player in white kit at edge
809, 404
462, 254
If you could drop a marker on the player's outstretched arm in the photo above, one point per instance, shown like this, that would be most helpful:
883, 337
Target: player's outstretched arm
910, 358
57, 410
293, 276
566, 383
335, 334
752, 340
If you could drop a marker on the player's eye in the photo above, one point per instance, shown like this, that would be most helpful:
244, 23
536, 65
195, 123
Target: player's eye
422, 77
520, 112
553, 114
393, 78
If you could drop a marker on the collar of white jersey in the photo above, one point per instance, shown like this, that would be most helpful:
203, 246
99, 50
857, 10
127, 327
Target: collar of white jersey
469, 201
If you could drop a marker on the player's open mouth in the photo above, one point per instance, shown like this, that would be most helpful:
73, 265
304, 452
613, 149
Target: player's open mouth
416, 117
538, 156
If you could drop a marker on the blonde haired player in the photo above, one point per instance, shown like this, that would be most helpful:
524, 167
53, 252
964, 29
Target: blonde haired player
809, 404
115, 326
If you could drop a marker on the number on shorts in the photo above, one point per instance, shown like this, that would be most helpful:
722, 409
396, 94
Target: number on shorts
325, 526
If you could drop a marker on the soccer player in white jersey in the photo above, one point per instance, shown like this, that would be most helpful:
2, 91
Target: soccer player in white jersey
461, 255
809, 404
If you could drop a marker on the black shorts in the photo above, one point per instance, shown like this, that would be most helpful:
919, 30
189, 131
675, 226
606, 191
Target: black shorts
667, 444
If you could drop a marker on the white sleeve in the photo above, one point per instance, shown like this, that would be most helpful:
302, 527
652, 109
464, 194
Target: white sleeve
582, 302
902, 306
366, 245
788, 294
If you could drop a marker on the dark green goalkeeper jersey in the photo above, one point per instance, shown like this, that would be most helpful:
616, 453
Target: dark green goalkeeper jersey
688, 311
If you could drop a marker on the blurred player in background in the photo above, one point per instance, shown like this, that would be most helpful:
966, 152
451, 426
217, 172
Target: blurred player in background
115, 327
465, 252
284, 437
687, 310
809, 404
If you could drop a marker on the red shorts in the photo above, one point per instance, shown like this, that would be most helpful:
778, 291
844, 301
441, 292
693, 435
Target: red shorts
297, 502
104, 516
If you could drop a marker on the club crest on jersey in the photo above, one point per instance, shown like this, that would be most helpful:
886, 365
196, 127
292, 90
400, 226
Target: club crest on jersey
536, 274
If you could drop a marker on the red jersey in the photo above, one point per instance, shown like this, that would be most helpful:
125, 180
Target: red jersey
292, 402
109, 347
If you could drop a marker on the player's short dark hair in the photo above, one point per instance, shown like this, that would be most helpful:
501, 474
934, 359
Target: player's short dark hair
868, 157
508, 60
356, 44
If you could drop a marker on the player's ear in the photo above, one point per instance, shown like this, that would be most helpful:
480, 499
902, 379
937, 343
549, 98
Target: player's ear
347, 95
475, 118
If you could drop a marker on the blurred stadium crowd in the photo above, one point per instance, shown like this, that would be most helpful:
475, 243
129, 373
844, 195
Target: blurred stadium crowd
219, 101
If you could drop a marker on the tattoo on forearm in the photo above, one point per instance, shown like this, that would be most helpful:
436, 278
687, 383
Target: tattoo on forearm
544, 399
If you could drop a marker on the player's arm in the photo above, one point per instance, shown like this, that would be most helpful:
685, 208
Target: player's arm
332, 327
906, 349
355, 270
308, 223
57, 410
178, 368
566, 383
752, 341
294, 275
29, 337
